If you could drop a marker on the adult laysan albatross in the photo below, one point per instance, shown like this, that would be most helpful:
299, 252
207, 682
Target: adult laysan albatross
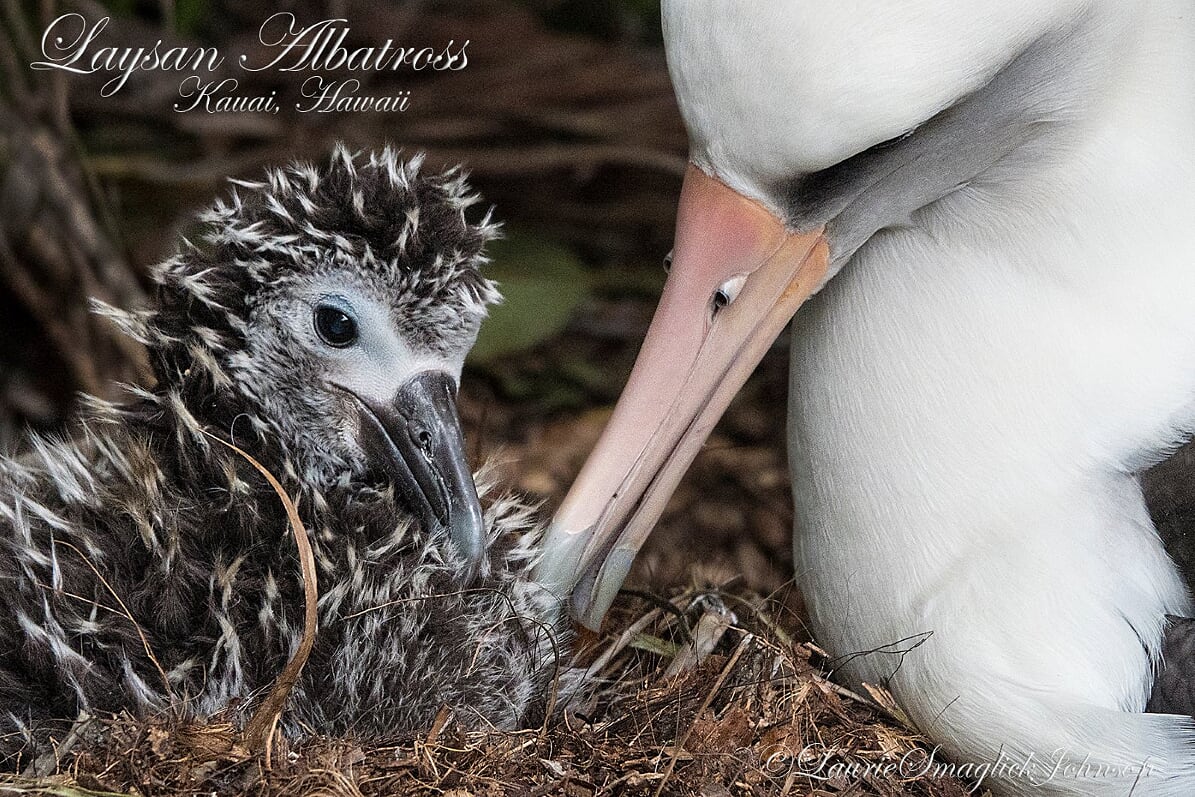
994, 204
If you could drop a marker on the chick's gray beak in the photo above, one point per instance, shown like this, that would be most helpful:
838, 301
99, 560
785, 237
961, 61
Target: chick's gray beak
416, 439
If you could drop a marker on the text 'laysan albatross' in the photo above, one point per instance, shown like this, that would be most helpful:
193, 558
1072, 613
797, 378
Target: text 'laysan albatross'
994, 205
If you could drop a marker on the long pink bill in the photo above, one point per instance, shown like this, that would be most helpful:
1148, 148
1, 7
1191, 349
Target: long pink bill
737, 277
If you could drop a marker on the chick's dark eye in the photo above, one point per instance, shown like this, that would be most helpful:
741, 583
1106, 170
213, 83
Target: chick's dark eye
335, 327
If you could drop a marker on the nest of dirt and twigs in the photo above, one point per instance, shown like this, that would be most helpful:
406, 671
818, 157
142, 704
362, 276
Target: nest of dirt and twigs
708, 693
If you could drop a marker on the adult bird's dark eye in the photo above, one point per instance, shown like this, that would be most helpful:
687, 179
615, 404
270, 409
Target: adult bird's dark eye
335, 326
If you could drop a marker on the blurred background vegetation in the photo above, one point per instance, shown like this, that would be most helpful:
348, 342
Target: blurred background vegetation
565, 119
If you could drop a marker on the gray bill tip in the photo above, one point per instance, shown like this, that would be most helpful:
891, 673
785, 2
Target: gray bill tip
416, 440
560, 566
595, 594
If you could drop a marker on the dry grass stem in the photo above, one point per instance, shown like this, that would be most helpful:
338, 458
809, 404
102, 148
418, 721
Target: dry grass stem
260, 729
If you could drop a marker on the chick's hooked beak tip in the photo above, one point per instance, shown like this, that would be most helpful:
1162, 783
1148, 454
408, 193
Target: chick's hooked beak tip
416, 439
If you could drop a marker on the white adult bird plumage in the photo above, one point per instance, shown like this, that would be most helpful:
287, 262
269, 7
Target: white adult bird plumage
993, 203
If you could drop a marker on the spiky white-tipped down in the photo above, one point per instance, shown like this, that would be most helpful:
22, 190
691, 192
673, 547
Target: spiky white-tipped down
144, 567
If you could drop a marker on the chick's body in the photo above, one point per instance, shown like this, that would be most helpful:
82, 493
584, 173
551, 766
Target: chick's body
147, 566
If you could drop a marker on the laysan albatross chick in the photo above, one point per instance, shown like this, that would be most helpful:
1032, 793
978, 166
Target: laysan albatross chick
320, 327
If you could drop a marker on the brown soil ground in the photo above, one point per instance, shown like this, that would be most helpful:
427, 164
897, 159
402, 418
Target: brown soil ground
703, 694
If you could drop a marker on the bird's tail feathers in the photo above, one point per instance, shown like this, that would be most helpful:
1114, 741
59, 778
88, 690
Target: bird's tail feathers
1064, 750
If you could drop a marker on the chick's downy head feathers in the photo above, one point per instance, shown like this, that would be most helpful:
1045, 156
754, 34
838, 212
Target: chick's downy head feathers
319, 291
